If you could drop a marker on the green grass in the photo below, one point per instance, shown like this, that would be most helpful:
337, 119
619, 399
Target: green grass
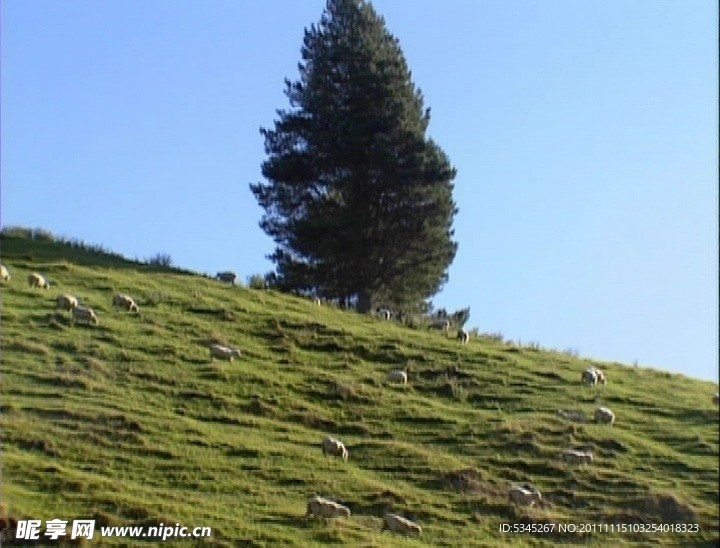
131, 423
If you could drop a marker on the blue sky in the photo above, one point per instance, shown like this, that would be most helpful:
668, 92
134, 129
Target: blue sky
585, 135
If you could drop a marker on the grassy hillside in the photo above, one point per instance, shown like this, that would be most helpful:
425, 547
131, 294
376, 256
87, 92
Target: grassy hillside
131, 423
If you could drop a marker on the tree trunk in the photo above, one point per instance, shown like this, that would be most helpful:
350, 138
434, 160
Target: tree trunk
364, 301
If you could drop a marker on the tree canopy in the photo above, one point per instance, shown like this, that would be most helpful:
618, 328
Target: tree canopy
358, 200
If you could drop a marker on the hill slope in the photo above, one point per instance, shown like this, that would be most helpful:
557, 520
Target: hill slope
131, 423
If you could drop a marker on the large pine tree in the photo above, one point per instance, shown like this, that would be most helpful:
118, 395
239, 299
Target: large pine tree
358, 199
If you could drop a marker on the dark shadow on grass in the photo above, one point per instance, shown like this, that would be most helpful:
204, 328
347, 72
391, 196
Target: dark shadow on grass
287, 520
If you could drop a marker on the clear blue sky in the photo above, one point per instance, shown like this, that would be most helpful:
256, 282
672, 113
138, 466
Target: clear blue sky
585, 135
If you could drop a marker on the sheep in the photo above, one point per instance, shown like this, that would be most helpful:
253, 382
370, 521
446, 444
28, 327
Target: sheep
227, 277
604, 415
398, 376
398, 524
36, 280
589, 376
592, 375
125, 301
66, 302
4, 273
84, 314
441, 324
325, 508
524, 495
716, 399
573, 456
334, 447
223, 352
384, 313
463, 336
574, 416
600, 376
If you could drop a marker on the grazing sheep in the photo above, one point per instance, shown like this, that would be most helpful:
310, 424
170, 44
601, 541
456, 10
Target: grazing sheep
589, 376
36, 280
227, 277
573, 456
84, 314
604, 415
401, 525
325, 508
440, 324
398, 376
716, 399
463, 336
574, 416
384, 313
524, 495
334, 447
592, 375
4, 273
66, 302
125, 301
223, 352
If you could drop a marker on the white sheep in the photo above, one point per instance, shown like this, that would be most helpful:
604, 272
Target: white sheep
325, 508
227, 277
223, 352
384, 313
4, 273
573, 456
84, 314
398, 376
125, 301
463, 336
336, 448
524, 495
441, 324
575, 416
403, 526
36, 280
604, 415
600, 375
716, 399
593, 375
66, 302
589, 376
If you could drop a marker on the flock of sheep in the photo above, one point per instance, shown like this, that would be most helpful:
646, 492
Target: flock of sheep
592, 375
322, 507
85, 314
522, 494
326, 508
67, 302
440, 324
317, 506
